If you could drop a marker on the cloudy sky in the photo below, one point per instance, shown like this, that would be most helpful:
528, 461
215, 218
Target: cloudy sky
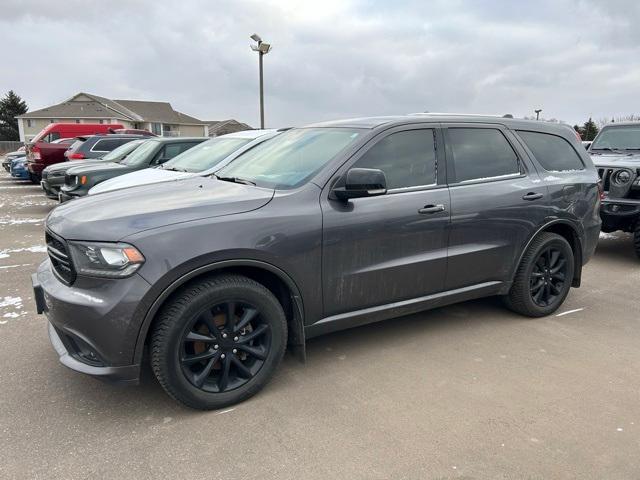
332, 58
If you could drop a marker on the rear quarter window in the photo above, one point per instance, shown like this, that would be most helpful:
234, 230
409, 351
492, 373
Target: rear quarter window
106, 145
554, 153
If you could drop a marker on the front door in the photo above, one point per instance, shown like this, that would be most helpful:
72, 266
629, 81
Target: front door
393, 247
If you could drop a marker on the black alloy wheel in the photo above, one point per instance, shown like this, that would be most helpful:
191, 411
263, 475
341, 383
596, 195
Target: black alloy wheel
548, 276
543, 278
225, 346
218, 341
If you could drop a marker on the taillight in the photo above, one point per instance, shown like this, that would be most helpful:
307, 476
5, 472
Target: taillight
76, 156
35, 152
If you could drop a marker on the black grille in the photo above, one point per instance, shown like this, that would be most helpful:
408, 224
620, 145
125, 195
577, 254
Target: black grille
605, 177
68, 179
60, 258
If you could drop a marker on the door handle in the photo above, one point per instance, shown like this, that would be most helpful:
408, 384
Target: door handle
431, 209
532, 196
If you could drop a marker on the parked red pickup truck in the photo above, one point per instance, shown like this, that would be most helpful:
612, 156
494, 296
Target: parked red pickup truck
42, 152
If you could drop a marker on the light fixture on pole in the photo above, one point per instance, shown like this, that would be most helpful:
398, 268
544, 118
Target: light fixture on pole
538, 113
262, 48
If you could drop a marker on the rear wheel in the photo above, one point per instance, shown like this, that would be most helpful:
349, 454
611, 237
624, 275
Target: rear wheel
544, 276
33, 178
218, 341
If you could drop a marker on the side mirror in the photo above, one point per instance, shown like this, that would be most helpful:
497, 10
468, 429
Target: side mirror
362, 182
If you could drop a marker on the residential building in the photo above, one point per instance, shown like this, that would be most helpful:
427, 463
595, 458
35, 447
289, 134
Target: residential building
157, 117
217, 128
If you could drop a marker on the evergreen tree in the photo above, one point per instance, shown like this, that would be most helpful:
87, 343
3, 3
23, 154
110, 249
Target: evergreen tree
10, 106
589, 130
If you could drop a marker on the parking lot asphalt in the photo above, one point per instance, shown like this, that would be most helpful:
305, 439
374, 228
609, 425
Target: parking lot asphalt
467, 391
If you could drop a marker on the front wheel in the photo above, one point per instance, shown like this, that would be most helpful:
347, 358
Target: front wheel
218, 341
544, 277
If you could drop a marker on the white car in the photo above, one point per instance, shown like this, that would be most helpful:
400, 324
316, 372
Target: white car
201, 160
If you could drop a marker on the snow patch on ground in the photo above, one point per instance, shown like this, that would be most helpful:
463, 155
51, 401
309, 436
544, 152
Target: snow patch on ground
15, 302
19, 221
35, 249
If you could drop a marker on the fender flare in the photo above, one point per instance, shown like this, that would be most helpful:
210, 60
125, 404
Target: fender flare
577, 274
296, 337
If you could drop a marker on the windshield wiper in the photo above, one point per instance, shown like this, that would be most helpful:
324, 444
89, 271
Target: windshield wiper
235, 180
174, 169
609, 149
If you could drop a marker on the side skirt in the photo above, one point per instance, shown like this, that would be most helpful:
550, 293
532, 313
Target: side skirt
379, 313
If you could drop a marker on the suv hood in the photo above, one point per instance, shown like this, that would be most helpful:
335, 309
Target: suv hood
141, 177
64, 166
86, 169
610, 159
115, 215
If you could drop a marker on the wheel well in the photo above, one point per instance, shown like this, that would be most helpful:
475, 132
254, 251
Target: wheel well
276, 285
570, 235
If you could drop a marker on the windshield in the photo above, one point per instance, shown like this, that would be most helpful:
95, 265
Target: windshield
291, 158
122, 151
618, 138
205, 155
141, 154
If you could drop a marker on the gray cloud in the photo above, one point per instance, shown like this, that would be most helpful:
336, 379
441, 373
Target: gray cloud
330, 59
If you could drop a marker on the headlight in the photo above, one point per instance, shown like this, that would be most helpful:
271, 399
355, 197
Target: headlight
111, 260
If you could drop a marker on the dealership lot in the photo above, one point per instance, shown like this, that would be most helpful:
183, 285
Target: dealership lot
467, 391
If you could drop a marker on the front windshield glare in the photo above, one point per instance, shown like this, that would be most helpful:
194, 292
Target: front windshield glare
122, 151
291, 158
140, 154
205, 155
618, 138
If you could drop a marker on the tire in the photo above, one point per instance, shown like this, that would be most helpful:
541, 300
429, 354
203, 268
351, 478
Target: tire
201, 310
636, 239
34, 179
533, 270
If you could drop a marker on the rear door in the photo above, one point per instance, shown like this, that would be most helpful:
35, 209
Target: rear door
497, 202
379, 250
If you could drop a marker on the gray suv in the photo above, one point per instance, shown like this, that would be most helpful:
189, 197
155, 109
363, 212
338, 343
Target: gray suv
321, 228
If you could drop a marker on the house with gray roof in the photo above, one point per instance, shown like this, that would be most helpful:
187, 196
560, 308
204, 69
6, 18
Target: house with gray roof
157, 117
222, 127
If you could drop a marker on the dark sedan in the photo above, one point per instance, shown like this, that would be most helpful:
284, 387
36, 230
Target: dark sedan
155, 151
53, 176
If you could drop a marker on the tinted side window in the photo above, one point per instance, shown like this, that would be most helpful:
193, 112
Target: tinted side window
480, 153
408, 159
174, 149
554, 153
107, 145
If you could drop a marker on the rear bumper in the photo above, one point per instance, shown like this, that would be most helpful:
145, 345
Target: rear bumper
36, 168
92, 325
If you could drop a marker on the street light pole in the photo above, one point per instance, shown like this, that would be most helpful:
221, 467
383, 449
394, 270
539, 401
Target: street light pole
262, 48
538, 113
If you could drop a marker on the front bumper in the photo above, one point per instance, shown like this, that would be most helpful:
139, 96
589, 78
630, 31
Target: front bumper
20, 172
51, 186
619, 214
92, 323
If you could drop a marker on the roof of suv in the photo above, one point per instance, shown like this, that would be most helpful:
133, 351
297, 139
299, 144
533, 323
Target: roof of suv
175, 139
373, 122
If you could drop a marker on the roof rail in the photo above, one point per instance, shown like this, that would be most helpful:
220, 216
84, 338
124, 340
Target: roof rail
508, 115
